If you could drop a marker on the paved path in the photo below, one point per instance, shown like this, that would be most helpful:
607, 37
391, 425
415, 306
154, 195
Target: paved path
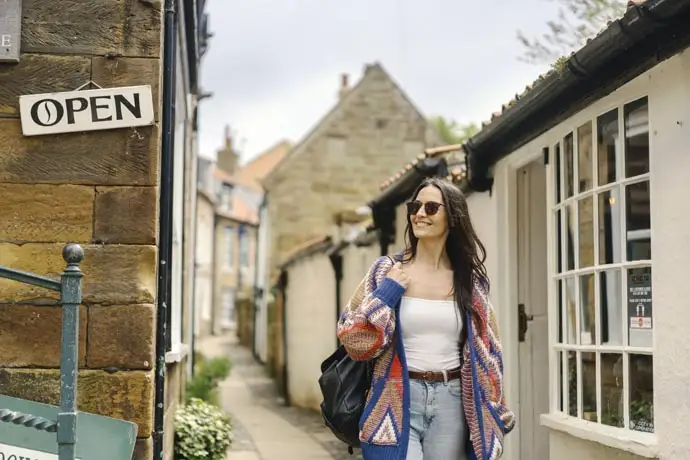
264, 428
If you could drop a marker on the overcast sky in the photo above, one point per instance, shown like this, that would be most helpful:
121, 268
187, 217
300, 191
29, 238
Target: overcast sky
274, 66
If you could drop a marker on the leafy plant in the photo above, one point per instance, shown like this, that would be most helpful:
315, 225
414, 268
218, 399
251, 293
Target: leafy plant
209, 373
202, 432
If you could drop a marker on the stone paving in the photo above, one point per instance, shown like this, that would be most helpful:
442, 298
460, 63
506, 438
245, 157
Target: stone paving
263, 427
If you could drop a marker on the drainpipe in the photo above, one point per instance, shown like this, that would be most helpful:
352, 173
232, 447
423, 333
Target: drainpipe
165, 221
255, 298
283, 287
337, 263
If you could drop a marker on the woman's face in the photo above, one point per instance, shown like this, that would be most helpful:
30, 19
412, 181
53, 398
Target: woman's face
430, 219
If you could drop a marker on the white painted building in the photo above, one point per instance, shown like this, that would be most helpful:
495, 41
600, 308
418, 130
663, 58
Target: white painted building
583, 183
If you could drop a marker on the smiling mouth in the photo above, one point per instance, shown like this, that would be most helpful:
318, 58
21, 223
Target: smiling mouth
422, 224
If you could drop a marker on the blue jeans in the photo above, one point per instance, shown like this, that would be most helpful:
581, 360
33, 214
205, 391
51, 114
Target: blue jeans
438, 430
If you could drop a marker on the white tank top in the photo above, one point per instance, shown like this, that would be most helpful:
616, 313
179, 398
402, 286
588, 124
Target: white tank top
430, 333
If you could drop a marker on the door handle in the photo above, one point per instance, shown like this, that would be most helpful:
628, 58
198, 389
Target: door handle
523, 319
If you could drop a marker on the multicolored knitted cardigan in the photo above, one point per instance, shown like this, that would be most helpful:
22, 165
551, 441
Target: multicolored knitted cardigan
367, 329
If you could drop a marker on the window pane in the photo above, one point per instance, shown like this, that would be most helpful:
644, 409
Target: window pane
560, 311
640, 307
587, 319
557, 156
561, 379
559, 240
586, 231
610, 307
609, 227
638, 221
641, 393
570, 306
570, 230
584, 157
568, 165
589, 386
607, 135
612, 389
636, 138
572, 383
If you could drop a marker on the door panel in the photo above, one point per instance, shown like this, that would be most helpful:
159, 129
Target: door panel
532, 293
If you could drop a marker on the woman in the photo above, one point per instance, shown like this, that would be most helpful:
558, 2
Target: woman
426, 322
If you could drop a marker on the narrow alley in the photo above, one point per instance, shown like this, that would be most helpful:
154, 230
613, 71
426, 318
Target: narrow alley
263, 427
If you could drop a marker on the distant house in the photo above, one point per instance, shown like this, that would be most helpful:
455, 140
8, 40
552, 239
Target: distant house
227, 233
339, 163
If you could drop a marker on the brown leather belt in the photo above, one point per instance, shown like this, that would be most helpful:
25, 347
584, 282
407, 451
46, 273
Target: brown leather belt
430, 376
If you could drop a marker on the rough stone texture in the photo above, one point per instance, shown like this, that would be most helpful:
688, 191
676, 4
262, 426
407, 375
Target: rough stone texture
36, 74
114, 72
46, 213
126, 215
112, 274
31, 336
122, 337
113, 157
370, 137
122, 395
129, 27
143, 449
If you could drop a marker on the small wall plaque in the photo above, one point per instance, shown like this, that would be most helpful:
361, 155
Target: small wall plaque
10, 30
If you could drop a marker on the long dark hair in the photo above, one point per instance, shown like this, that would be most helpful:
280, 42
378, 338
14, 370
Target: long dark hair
464, 249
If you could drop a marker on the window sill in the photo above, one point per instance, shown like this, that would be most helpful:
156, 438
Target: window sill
177, 354
642, 444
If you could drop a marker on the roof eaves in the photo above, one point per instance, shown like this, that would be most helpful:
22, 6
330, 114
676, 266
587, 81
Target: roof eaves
306, 249
581, 77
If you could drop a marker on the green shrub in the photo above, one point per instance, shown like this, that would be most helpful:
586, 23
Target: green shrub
202, 432
209, 373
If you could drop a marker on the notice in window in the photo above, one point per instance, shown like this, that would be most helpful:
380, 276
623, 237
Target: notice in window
640, 307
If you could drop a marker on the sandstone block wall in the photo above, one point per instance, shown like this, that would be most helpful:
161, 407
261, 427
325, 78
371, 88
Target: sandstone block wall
98, 189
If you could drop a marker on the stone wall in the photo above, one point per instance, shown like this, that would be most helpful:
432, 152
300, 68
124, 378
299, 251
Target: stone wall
98, 189
373, 133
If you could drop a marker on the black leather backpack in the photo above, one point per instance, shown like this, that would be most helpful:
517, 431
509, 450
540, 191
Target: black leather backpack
344, 385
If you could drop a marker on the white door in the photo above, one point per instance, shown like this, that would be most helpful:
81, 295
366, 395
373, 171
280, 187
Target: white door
532, 310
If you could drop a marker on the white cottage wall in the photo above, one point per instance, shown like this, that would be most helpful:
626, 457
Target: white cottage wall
310, 325
668, 89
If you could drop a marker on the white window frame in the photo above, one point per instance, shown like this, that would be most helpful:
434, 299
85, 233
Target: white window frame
644, 443
178, 350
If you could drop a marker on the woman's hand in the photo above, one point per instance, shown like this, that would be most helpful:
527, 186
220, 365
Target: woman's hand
397, 274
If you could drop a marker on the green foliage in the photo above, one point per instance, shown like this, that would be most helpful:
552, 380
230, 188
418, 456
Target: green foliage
208, 374
452, 132
202, 432
577, 21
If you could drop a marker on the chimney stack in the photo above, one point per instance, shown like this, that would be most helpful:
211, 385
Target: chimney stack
227, 157
344, 85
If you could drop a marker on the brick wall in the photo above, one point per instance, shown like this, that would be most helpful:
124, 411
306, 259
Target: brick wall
98, 189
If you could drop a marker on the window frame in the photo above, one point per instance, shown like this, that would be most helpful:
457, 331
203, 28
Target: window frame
558, 417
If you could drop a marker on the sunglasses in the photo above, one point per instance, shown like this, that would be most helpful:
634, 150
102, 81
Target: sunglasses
430, 207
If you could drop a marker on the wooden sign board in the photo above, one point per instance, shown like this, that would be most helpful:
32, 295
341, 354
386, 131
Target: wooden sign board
98, 437
10, 30
86, 110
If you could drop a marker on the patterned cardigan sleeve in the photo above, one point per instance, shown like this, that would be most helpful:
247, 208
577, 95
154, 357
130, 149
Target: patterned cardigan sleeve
493, 337
367, 325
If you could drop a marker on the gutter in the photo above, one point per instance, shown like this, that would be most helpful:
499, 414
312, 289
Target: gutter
643, 37
165, 221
